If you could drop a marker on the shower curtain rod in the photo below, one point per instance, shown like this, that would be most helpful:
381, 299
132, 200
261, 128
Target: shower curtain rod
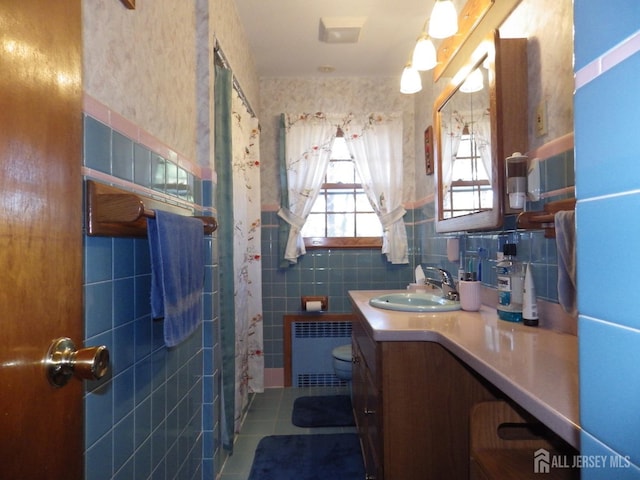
222, 61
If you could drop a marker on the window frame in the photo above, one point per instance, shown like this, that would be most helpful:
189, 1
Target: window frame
311, 243
476, 187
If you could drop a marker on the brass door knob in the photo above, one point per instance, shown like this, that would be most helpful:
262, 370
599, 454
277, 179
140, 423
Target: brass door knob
64, 361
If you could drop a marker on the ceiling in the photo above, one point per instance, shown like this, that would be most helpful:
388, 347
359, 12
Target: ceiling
284, 36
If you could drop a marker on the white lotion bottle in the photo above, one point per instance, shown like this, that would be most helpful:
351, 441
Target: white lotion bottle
529, 304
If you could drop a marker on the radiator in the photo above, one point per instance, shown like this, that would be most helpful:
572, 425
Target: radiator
311, 345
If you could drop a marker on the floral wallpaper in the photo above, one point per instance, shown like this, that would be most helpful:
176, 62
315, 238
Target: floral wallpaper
548, 24
227, 28
141, 63
149, 66
332, 95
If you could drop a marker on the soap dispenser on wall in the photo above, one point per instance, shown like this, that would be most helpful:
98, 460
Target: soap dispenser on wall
516, 175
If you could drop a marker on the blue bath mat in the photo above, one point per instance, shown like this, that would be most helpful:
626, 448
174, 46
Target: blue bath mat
323, 411
308, 457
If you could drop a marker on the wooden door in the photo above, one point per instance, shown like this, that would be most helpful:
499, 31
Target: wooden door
41, 433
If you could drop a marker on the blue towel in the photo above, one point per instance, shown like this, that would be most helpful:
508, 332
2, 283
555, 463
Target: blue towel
566, 244
177, 273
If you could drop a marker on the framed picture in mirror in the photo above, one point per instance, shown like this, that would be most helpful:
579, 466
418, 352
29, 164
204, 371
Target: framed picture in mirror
428, 150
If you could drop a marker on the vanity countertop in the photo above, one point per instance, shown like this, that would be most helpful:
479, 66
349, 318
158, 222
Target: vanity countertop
535, 367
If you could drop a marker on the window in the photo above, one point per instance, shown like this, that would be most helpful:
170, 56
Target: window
342, 215
470, 181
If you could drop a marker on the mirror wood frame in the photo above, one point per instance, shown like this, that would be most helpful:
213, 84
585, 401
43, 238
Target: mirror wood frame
476, 21
507, 60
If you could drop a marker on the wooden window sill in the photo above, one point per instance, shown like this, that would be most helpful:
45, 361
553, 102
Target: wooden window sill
311, 243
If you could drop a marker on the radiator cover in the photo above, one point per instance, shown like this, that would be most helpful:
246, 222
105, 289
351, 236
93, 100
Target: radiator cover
311, 346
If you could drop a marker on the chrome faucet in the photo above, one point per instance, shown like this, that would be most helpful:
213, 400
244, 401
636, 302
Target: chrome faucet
446, 283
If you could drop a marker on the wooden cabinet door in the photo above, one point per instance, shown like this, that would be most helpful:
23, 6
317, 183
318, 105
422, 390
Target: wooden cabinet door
366, 404
40, 235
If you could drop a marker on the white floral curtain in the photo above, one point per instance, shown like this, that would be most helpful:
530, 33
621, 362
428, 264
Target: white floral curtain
375, 143
249, 376
483, 142
308, 140
452, 128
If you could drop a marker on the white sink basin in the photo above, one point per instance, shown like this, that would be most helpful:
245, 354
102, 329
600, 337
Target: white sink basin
414, 302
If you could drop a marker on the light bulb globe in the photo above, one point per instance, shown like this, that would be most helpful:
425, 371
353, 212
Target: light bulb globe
443, 22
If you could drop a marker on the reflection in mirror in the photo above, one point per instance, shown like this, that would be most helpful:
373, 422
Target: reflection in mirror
466, 148
479, 116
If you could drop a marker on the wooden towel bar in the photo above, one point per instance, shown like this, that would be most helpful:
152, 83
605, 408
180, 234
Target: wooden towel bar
114, 212
545, 219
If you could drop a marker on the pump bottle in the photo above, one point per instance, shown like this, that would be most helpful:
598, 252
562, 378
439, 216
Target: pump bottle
510, 275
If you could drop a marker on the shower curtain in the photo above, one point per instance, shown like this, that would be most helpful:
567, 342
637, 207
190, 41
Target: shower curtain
238, 202
246, 255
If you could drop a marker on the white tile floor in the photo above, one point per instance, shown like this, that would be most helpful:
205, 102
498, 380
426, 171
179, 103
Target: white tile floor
270, 414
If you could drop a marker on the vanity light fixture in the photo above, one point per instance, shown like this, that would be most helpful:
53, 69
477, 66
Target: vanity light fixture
424, 54
444, 19
443, 23
410, 82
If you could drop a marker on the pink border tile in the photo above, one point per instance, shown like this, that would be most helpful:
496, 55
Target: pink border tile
553, 148
96, 109
562, 191
273, 377
124, 126
419, 202
608, 60
104, 114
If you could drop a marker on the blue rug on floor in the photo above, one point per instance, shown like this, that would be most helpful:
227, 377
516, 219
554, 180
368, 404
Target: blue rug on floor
308, 457
323, 411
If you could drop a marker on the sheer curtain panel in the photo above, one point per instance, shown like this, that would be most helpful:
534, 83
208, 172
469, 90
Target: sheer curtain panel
375, 143
308, 140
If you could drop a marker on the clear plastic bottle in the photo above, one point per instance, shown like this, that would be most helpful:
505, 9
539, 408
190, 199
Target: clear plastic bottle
510, 274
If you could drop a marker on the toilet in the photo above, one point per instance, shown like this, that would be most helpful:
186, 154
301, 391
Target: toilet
342, 362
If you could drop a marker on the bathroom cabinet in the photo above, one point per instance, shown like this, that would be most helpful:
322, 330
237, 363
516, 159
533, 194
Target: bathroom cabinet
412, 403
504, 439
483, 112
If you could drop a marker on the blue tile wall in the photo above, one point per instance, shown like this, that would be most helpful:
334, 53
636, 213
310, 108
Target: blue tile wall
612, 139
607, 187
556, 174
319, 272
155, 414
617, 466
600, 26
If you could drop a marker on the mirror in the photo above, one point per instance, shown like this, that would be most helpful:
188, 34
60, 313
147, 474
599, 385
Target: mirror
473, 133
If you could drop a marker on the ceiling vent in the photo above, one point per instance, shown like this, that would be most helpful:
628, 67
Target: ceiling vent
341, 29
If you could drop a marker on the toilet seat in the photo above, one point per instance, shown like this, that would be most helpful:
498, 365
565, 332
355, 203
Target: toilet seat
343, 353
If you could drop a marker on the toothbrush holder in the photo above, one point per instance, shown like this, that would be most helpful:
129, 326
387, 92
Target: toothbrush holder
470, 295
